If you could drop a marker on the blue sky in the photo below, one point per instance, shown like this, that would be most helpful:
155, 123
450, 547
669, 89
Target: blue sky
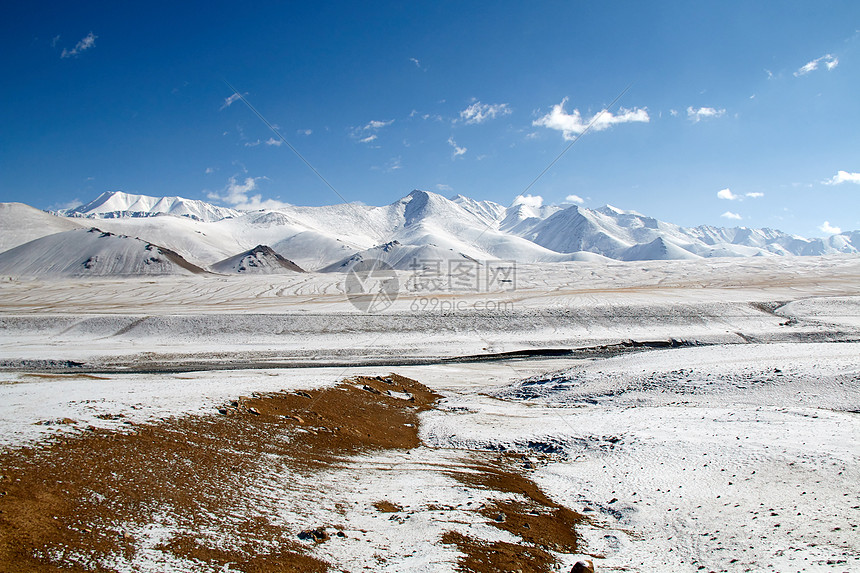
738, 113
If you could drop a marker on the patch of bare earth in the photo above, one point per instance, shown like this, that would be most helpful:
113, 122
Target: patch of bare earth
178, 493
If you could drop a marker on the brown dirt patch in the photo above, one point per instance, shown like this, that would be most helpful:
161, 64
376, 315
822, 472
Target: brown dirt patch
387, 507
78, 502
527, 512
490, 557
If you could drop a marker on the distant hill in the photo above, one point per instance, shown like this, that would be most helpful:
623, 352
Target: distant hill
92, 253
259, 260
21, 224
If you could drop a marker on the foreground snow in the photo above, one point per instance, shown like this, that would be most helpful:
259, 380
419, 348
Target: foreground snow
728, 457
740, 454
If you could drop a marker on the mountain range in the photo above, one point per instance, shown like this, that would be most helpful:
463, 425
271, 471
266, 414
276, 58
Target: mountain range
178, 235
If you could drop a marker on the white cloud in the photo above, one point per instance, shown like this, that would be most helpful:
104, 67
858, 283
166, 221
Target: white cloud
252, 143
754, 195
85, 44
416, 62
457, 149
480, 112
728, 195
67, 205
305, 131
238, 195
231, 100
769, 74
574, 199
730, 215
573, 124
368, 133
697, 115
528, 200
843, 177
826, 227
444, 187
275, 142
673, 112
209, 170
830, 61
376, 124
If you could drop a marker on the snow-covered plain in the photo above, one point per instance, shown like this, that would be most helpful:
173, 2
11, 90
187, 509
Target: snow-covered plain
739, 454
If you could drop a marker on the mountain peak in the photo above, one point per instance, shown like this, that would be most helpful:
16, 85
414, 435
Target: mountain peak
118, 204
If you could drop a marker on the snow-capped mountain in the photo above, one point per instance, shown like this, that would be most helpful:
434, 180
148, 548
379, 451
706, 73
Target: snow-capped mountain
115, 204
420, 227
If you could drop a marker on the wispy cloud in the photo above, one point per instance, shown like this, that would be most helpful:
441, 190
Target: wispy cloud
829, 229
275, 142
66, 205
305, 131
843, 177
85, 44
573, 124
393, 164
480, 112
528, 200
730, 215
209, 170
698, 114
368, 133
830, 61
444, 187
230, 100
574, 199
253, 143
754, 195
376, 124
457, 149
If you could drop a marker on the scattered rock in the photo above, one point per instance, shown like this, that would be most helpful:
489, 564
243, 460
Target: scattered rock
317, 535
583, 567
